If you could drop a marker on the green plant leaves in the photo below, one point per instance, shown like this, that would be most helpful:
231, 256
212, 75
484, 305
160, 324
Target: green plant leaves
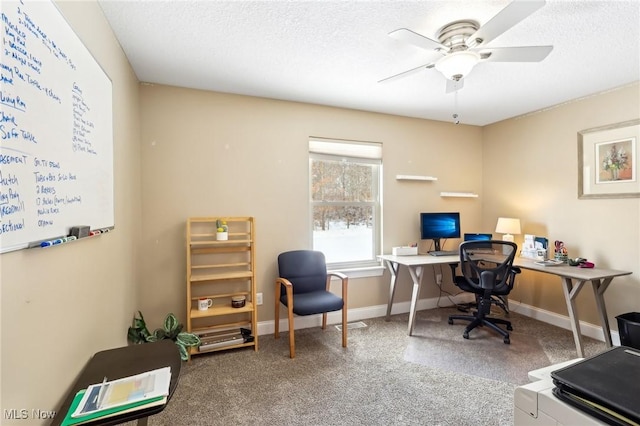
138, 332
184, 355
134, 336
159, 334
187, 339
172, 329
170, 323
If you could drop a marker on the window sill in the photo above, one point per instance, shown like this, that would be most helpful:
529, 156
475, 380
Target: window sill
369, 271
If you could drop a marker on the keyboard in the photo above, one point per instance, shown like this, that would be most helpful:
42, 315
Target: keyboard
444, 253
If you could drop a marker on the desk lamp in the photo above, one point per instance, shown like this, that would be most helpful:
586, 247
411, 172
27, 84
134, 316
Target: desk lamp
508, 226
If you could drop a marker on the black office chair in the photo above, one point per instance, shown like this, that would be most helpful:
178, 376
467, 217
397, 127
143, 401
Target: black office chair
303, 287
487, 271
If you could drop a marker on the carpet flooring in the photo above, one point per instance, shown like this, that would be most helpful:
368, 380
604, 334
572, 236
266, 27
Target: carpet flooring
384, 377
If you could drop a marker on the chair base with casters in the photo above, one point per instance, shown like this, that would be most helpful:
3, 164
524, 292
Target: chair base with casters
490, 276
481, 320
310, 298
500, 301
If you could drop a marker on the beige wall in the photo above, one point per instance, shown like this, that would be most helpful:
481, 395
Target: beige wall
61, 305
531, 172
212, 154
181, 153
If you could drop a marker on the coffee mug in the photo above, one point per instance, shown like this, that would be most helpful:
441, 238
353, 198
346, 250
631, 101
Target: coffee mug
204, 304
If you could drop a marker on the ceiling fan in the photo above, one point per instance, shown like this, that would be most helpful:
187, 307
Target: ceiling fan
462, 44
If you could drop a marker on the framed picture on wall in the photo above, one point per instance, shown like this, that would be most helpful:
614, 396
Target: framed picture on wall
608, 161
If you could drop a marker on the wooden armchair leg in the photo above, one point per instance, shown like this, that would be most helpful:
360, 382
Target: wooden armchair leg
292, 342
276, 332
344, 326
324, 321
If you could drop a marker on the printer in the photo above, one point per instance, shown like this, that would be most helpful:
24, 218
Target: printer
534, 404
602, 389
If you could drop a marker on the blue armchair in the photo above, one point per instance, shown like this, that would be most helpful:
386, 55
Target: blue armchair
303, 287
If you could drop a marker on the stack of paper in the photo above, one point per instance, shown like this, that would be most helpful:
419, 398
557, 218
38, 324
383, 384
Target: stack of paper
120, 396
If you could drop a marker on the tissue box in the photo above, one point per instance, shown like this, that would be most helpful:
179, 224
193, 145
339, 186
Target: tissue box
404, 251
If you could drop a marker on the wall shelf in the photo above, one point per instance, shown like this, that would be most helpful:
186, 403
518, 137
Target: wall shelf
409, 177
459, 194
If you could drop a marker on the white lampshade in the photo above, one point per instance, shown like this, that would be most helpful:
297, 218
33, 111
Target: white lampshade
458, 64
508, 226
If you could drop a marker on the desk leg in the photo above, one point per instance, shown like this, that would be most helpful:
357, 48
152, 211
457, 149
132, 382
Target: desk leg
416, 276
599, 288
570, 294
393, 270
143, 421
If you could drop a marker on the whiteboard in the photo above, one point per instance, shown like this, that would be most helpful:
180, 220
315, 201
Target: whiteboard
56, 133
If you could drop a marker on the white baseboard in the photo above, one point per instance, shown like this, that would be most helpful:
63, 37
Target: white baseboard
562, 321
358, 314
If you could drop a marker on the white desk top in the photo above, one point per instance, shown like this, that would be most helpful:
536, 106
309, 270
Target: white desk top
583, 274
419, 260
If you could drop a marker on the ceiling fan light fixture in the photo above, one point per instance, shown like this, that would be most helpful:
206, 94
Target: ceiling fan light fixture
458, 64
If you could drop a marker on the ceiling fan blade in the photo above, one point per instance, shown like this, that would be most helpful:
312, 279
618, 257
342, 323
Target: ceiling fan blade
513, 13
406, 73
516, 54
411, 37
454, 85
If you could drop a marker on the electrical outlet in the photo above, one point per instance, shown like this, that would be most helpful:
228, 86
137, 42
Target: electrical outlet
438, 279
259, 299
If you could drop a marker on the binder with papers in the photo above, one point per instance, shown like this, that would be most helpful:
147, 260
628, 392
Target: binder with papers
605, 386
111, 398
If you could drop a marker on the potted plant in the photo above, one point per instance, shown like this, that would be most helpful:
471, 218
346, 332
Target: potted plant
172, 329
222, 230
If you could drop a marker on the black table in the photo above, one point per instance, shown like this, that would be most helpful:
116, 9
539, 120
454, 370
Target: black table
123, 362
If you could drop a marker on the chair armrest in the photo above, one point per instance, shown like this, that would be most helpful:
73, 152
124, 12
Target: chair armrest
288, 288
512, 276
343, 279
283, 281
337, 274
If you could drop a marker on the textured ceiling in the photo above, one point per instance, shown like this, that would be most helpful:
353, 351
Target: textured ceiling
335, 52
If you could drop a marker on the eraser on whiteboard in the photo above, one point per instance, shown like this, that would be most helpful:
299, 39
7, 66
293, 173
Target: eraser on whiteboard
79, 231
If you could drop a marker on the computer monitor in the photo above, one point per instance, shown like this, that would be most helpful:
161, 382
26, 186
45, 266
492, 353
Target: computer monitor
478, 237
434, 226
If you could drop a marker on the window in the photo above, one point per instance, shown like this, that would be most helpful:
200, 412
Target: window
345, 201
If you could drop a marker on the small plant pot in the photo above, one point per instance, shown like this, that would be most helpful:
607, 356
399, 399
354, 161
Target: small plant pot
222, 236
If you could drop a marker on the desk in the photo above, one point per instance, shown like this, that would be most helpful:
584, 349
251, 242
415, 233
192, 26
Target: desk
415, 265
573, 279
123, 362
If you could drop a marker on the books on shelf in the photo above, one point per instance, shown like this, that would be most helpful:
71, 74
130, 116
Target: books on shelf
116, 397
219, 339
